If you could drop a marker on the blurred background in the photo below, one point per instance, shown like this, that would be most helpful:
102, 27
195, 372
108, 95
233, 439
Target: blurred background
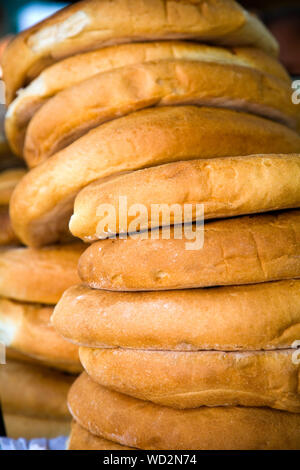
282, 17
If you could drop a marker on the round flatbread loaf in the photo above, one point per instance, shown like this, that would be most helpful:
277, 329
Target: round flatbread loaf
204, 378
38, 275
241, 250
138, 423
220, 318
225, 186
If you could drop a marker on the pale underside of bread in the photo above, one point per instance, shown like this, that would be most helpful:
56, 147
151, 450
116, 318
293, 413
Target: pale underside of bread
268, 245
26, 328
42, 203
220, 318
34, 390
106, 96
38, 275
75, 69
225, 186
193, 379
91, 24
81, 439
137, 423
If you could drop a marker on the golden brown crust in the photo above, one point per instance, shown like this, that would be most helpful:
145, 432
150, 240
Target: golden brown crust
193, 379
92, 24
38, 275
76, 110
26, 328
138, 423
81, 439
219, 318
226, 186
33, 390
146, 138
75, 69
8, 181
268, 245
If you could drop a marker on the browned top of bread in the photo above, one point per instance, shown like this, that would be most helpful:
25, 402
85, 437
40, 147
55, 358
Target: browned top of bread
241, 250
144, 425
26, 328
92, 24
43, 201
219, 318
75, 69
38, 275
33, 390
105, 96
225, 186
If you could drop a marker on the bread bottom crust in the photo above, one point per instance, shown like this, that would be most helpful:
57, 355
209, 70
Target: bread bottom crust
137, 423
192, 379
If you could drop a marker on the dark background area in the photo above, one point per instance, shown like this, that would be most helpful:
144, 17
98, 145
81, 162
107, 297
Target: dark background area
282, 17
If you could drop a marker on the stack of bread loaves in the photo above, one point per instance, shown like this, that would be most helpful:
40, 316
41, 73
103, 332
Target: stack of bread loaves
166, 102
32, 393
31, 280
34, 400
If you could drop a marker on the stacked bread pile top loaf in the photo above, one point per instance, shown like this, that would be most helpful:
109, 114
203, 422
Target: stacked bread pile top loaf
170, 104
